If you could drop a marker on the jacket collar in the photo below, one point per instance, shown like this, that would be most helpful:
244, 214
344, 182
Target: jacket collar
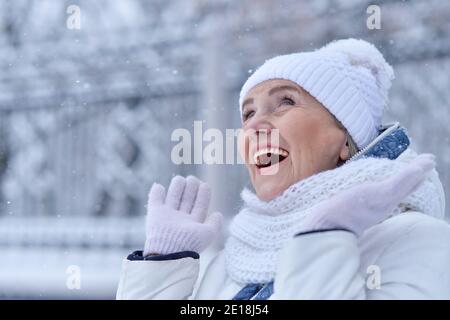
390, 143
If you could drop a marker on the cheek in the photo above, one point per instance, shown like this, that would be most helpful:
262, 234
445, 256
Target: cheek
311, 136
328, 145
300, 129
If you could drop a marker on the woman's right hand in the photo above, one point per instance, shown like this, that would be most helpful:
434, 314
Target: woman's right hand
178, 221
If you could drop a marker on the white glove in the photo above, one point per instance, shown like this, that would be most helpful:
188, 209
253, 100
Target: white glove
363, 206
177, 222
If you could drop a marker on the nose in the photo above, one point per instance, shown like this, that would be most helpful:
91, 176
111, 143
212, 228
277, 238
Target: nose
260, 131
260, 124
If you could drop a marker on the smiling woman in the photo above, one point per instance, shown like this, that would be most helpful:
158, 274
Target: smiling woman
310, 138
326, 214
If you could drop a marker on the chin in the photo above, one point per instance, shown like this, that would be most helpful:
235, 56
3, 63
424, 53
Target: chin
268, 187
268, 192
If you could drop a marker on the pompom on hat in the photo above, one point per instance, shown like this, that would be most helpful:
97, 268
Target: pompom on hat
349, 77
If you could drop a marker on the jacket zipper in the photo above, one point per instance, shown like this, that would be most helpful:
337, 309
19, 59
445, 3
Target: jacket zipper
388, 129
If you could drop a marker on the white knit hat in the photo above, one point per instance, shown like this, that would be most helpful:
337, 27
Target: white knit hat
349, 77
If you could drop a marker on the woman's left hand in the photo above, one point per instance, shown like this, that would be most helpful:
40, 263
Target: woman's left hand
363, 206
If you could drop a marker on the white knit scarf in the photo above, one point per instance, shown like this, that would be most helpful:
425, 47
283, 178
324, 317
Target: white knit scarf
261, 229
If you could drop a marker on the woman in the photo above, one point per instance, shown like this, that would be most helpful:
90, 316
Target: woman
342, 208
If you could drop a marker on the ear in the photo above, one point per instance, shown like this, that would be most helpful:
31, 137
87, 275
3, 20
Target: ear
345, 152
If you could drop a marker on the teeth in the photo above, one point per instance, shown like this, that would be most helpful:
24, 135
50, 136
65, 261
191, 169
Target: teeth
264, 151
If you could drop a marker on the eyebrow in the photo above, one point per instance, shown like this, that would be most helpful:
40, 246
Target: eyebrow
283, 87
247, 101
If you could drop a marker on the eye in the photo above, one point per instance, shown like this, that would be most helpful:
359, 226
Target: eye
247, 114
287, 100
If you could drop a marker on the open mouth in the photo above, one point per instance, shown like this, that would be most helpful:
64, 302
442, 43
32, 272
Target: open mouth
267, 157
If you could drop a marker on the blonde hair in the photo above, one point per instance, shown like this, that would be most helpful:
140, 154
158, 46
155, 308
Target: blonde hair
352, 146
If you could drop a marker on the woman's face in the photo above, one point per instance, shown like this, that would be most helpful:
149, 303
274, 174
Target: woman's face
309, 139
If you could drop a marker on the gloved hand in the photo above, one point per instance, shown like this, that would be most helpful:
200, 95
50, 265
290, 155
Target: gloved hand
363, 206
178, 221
